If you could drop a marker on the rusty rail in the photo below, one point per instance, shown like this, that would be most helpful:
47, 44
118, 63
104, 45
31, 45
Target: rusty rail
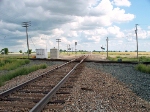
9, 91
41, 104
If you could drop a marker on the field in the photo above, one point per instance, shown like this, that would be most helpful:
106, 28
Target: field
124, 54
103, 54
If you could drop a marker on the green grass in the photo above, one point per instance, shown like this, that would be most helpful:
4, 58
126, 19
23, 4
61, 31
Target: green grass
143, 68
19, 72
11, 64
144, 59
141, 59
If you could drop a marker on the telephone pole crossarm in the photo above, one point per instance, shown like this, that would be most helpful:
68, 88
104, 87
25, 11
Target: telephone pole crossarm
58, 40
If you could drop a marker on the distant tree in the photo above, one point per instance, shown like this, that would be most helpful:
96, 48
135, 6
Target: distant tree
60, 50
126, 51
20, 51
4, 51
30, 50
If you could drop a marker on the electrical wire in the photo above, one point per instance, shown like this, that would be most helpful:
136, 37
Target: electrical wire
33, 43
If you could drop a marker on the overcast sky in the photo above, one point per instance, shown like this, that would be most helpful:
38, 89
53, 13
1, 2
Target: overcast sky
87, 22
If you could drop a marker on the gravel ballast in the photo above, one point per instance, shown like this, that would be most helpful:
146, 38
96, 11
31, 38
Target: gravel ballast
110, 88
137, 81
103, 93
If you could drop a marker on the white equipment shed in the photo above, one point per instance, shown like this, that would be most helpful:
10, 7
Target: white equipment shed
41, 53
54, 53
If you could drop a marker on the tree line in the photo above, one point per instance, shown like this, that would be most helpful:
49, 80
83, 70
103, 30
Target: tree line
6, 51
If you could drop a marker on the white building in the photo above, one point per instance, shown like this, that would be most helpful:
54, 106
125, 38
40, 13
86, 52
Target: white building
54, 53
41, 53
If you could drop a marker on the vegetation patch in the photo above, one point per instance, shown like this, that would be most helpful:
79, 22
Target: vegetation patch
144, 59
19, 72
143, 68
11, 64
141, 59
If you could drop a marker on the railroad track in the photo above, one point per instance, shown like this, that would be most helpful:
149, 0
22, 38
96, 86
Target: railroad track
45, 92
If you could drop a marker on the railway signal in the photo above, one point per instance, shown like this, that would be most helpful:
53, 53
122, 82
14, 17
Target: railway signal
102, 48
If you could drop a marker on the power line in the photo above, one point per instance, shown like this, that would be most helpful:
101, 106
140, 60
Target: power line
33, 43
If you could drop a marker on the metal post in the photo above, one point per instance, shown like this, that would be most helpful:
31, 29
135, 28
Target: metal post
69, 49
58, 40
4, 47
136, 39
75, 47
107, 47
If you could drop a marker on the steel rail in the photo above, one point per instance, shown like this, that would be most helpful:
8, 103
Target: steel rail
41, 104
9, 91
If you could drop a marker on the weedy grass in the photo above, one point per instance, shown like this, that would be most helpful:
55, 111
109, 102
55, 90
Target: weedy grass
141, 59
11, 64
144, 59
19, 72
143, 68
111, 58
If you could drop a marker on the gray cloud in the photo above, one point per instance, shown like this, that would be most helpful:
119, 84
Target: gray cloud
67, 17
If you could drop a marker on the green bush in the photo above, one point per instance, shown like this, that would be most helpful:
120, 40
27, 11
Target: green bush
11, 64
110, 58
118, 57
5, 61
19, 72
144, 59
123, 59
143, 68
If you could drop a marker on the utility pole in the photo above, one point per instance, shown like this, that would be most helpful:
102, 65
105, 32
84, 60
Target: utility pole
75, 47
27, 24
136, 38
107, 47
4, 47
67, 48
58, 40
